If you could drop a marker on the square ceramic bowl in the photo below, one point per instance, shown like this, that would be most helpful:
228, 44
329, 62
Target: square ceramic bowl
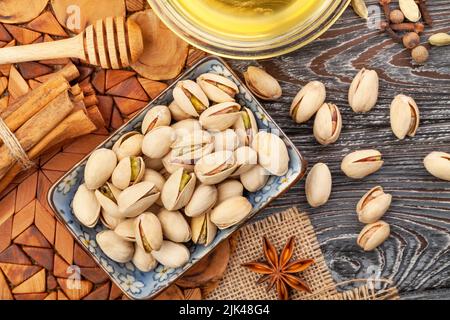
134, 283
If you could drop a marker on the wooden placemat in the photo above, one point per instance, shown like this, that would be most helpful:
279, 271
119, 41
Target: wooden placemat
241, 284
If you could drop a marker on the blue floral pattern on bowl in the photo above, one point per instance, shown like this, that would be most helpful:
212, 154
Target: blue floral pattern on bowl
134, 283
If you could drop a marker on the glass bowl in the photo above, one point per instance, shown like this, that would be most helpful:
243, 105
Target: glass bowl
247, 48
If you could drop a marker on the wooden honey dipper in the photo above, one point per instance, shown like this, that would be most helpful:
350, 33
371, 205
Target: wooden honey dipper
109, 43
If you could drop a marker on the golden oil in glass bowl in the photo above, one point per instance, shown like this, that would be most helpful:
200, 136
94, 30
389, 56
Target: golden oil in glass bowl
253, 20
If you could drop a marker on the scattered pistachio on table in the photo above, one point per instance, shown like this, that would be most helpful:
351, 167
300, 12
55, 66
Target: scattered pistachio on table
307, 101
373, 235
405, 116
318, 185
363, 92
362, 163
262, 84
327, 124
438, 164
373, 205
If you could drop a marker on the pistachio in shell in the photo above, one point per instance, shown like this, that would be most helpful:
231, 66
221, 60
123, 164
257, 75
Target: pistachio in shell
405, 116
215, 167
136, 199
157, 116
438, 164
174, 225
318, 185
190, 98
125, 230
115, 247
107, 196
178, 189
362, 163
255, 179
231, 212
373, 235
142, 260
203, 230
148, 232
157, 142
186, 127
363, 92
202, 200
226, 140
272, 153
228, 189
172, 255
86, 207
129, 144
128, 172
328, 124
220, 116
217, 88
308, 101
191, 147
373, 205
177, 113
262, 84
99, 168
246, 127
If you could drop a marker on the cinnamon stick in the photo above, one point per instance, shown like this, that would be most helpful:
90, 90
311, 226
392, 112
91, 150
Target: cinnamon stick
32, 131
75, 125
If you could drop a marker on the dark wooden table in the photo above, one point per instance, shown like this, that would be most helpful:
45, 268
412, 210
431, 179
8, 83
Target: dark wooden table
417, 255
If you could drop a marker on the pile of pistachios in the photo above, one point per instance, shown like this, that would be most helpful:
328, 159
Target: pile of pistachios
181, 178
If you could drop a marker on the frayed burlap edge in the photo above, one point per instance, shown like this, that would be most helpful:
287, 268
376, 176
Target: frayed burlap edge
239, 283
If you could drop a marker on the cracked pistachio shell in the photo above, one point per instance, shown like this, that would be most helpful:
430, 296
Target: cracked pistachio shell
142, 260
186, 127
373, 235
203, 199
174, 225
154, 164
246, 127
217, 88
203, 230
109, 221
363, 92
107, 196
362, 163
272, 153
220, 116
115, 247
246, 159
307, 101
130, 144
157, 142
86, 207
327, 124
191, 147
226, 140
231, 212
405, 116
438, 164
148, 231
125, 230
172, 255
136, 199
228, 189
177, 113
255, 179
215, 167
171, 164
262, 84
190, 98
128, 172
99, 168
318, 185
373, 205
178, 189
158, 116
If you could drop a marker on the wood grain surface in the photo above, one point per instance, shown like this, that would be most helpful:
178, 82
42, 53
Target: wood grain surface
417, 255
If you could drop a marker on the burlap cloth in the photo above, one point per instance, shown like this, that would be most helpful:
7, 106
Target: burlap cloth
239, 283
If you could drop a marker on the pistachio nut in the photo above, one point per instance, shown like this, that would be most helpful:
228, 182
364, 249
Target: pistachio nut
191, 147
115, 247
220, 116
230, 212
363, 93
157, 116
136, 199
362, 163
439, 39
172, 255
99, 168
203, 199
86, 207
148, 232
129, 144
373, 205
262, 84
246, 127
307, 101
215, 167
128, 172
190, 98
217, 88
178, 190
226, 140
228, 189
177, 113
125, 229
154, 164
318, 185
142, 260
272, 153
404, 116
171, 164
203, 230
373, 235
107, 196
109, 221
328, 124
410, 9
438, 164
255, 179
157, 142
246, 159
174, 226
187, 126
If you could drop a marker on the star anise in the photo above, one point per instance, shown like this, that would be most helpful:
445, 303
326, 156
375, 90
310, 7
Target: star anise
278, 271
